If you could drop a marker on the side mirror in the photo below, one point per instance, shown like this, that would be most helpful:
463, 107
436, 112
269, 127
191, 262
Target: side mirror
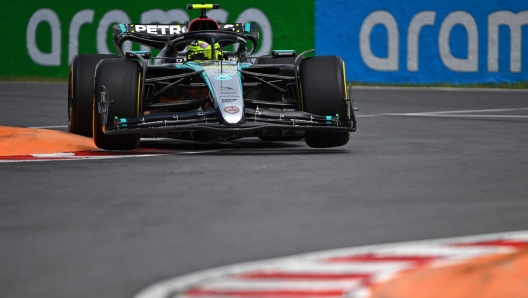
143, 54
181, 56
283, 53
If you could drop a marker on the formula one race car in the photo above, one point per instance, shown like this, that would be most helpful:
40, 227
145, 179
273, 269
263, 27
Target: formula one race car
204, 85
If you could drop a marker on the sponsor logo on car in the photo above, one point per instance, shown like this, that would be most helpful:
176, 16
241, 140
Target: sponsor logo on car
228, 99
231, 109
218, 67
160, 29
224, 77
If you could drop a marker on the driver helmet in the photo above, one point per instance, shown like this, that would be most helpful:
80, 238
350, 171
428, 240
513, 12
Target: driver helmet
201, 50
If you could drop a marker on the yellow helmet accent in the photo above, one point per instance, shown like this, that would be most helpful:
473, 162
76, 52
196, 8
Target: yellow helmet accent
201, 50
202, 6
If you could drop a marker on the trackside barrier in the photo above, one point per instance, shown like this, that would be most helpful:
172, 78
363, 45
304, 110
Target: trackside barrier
40, 37
383, 41
409, 41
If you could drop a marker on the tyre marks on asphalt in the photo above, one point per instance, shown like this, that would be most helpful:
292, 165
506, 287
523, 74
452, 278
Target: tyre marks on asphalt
349, 272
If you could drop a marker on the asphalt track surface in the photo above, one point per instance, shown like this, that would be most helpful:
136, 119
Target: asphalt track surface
109, 228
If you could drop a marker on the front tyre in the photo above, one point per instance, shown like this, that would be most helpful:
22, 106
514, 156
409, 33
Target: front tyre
122, 79
323, 87
80, 92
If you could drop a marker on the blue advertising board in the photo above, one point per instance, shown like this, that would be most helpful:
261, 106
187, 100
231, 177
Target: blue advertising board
417, 41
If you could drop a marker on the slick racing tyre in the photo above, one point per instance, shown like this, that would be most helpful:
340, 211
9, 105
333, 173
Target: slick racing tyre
80, 92
122, 80
323, 87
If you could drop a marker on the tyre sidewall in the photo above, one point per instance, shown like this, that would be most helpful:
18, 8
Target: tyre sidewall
80, 92
122, 80
323, 87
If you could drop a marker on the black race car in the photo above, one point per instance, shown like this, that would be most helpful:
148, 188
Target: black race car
204, 85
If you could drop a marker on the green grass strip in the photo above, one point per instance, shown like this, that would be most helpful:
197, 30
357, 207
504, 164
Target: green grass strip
32, 79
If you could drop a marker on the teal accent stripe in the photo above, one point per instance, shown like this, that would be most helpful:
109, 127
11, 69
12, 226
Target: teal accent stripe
205, 77
123, 29
328, 117
247, 27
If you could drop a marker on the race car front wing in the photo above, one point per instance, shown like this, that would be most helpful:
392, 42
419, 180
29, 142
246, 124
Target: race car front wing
256, 119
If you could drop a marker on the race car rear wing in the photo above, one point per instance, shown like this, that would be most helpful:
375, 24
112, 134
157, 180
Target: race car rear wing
159, 33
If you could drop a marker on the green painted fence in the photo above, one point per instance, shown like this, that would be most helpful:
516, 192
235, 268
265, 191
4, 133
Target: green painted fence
40, 37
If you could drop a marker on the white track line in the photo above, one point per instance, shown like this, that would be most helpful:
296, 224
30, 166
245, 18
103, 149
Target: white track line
229, 284
476, 111
312, 272
457, 113
456, 116
51, 126
68, 158
340, 268
63, 156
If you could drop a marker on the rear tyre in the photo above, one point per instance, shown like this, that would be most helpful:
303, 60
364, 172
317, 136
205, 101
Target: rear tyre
122, 79
323, 87
80, 92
